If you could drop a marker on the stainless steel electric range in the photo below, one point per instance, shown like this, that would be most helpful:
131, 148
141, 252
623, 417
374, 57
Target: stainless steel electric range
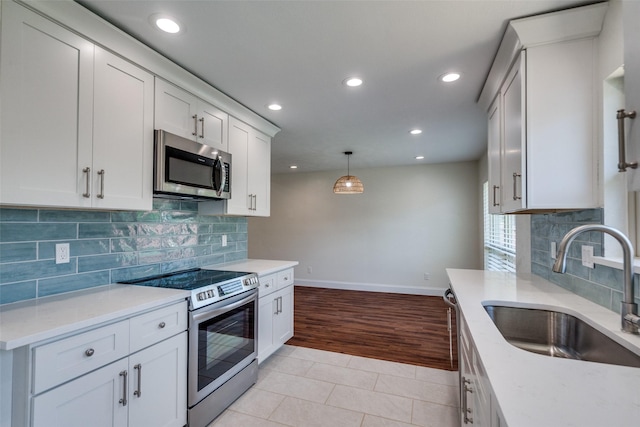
223, 326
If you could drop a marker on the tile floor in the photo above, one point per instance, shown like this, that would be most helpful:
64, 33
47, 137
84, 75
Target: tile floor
303, 387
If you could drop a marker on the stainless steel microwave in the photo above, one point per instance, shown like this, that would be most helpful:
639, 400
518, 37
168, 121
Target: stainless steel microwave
185, 169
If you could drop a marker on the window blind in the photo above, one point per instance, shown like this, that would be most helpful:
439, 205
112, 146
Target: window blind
499, 238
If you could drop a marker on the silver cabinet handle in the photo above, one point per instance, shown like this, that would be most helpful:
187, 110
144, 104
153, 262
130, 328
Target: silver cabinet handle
279, 305
201, 120
125, 389
161, 325
255, 202
465, 408
250, 201
101, 175
87, 192
138, 391
495, 187
195, 125
622, 161
275, 301
89, 352
515, 186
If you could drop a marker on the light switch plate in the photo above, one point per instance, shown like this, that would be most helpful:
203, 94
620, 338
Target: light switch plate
587, 256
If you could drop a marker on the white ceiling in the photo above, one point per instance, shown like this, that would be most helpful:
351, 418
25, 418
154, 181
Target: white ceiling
297, 53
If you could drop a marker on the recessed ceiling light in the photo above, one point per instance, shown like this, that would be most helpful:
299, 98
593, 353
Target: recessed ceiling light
274, 107
415, 131
293, 167
166, 24
353, 81
419, 157
449, 77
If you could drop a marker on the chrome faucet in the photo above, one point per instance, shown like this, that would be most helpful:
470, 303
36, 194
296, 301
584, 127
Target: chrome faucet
629, 309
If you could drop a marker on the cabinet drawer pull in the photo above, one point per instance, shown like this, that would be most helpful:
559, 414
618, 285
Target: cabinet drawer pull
515, 186
201, 120
138, 391
87, 192
101, 175
195, 125
622, 161
162, 325
89, 352
125, 388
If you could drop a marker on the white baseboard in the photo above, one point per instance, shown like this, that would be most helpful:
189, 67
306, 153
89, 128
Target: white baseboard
370, 287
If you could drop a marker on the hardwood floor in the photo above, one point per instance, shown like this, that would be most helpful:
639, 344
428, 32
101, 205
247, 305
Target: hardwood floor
397, 327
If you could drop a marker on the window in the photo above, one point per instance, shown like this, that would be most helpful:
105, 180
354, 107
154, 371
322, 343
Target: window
499, 238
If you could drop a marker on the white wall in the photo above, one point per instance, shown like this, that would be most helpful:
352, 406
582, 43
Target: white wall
409, 221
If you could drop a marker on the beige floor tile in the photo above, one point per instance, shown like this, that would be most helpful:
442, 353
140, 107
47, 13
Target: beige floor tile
383, 367
288, 365
321, 356
236, 419
437, 376
373, 421
415, 389
385, 405
429, 414
256, 402
299, 413
295, 386
342, 375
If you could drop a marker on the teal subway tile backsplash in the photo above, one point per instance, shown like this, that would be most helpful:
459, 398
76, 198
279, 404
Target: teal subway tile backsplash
602, 284
107, 247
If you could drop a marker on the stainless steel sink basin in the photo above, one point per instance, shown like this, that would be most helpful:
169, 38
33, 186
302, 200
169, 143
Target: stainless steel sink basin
557, 334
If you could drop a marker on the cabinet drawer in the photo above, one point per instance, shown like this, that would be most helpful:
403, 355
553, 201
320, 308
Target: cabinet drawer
62, 360
155, 326
267, 285
285, 278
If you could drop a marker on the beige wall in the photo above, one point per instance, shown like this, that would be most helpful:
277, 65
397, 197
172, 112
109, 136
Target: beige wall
409, 221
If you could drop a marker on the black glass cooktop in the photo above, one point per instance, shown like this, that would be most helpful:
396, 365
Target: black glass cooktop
187, 279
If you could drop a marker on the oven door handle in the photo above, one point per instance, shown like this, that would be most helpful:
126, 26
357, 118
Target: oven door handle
215, 312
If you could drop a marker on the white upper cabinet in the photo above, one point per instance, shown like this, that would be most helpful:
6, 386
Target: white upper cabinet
47, 105
541, 103
631, 10
77, 120
250, 174
181, 113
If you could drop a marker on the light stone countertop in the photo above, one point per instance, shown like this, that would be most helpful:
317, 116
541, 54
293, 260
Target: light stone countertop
26, 322
534, 390
262, 267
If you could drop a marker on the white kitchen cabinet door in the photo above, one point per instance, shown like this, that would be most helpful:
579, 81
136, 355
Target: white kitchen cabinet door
631, 13
513, 170
158, 384
239, 135
213, 126
47, 104
283, 321
494, 143
266, 312
260, 173
122, 134
91, 400
175, 109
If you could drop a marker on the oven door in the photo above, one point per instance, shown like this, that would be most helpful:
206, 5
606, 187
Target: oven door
222, 341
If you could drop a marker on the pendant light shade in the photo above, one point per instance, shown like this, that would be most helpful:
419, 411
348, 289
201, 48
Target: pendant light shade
348, 184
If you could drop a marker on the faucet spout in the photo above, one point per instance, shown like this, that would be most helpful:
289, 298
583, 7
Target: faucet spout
629, 309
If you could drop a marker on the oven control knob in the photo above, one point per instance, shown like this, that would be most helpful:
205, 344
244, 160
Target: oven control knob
201, 296
209, 294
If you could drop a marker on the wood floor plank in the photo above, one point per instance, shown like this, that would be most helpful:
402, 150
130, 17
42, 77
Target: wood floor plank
396, 327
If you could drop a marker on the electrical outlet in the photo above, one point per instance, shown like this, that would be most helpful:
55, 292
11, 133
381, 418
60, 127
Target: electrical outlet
554, 250
224, 240
62, 253
427, 276
309, 270
587, 256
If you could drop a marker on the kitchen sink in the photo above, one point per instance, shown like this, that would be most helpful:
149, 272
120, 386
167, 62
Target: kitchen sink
556, 334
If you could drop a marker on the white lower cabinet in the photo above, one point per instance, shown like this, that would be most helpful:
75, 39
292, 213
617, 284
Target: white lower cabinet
478, 406
275, 312
112, 388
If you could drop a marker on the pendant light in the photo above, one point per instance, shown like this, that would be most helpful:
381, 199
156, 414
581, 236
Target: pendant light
348, 184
